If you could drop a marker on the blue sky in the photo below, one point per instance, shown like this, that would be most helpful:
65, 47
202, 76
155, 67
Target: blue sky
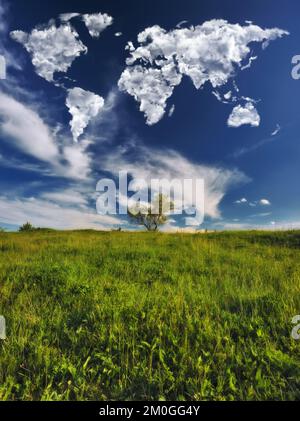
48, 173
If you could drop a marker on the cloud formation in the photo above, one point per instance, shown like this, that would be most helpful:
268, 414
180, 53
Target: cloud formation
242, 200
52, 49
97, 22
261, 202
244, 115
211, 52
83, 106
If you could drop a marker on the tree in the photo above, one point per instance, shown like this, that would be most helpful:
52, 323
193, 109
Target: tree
26, 227
153, 215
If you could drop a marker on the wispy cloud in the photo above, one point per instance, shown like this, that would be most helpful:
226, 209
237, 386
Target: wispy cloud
147, 163
266, 226
260, 215
244, 150
51, 212
277, 130
25, 129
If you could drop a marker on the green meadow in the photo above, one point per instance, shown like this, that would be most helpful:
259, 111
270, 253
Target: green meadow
117, 316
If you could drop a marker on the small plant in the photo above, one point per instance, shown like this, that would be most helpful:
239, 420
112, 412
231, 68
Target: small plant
27, 227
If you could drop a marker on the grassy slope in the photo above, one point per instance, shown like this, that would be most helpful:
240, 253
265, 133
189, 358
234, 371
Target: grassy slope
147, 316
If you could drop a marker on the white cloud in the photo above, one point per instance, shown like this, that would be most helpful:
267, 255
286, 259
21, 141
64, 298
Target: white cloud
244, 115
52, 49
276, 130
2, 67
217, 95
26, 129
248, 65
78, 161
264, 202
171, 110
97, 22
261, 202
83, 106
148, 163
151, 88
66, 17
242, 200
210, 52
182, 22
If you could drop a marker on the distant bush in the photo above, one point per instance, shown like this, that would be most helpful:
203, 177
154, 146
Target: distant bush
28, 227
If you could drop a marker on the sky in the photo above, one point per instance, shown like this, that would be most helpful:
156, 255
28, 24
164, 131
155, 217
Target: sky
166, 89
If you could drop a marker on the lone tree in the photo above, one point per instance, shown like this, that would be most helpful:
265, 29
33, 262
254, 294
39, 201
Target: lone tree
153, 215
26, 227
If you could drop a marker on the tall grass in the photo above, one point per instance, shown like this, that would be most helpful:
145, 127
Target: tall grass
149, 316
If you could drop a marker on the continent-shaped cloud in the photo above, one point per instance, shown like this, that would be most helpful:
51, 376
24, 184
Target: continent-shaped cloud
97, 22
83, 106
52, 49
210, 52
244, 115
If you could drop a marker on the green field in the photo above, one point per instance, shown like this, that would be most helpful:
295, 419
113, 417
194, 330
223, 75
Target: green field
94, 316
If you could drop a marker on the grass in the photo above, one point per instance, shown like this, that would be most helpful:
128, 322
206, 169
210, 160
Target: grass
94, 316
